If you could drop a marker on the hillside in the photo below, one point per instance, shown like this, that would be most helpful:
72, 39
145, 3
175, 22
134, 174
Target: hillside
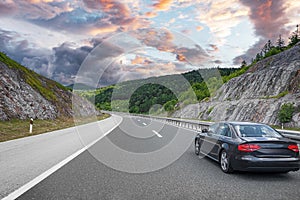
25, 94
139, 96
256, 95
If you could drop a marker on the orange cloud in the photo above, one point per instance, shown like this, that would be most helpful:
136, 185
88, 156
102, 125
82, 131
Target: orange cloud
137, 60
264, 11
199, 28
150, 14
104, 29
115, 7
163, 5
140, 60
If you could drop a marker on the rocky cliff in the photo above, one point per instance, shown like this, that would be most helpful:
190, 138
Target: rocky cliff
25, 94
256, 95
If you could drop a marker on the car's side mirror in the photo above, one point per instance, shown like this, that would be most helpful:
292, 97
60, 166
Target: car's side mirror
204, 130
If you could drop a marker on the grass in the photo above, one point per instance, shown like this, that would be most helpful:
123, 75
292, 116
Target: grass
16, 128
43, 85
282, 94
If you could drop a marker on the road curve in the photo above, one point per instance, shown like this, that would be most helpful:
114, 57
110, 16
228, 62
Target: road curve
189, 177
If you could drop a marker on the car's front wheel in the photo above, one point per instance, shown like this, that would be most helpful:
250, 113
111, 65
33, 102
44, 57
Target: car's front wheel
225, 162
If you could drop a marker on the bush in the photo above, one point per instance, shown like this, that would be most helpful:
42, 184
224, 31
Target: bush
286, 113
170, 105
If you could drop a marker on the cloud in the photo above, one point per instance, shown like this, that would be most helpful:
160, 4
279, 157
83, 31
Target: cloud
14, 46
269, 18
250, 53
221, 16
7, 7
35, 9
163, 5
105, 28
195, 56
164, 40
213, 48
217, 61
117, 15
140, 61
150, 14
199, 28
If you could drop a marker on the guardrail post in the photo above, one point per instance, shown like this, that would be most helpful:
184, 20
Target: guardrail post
31, 125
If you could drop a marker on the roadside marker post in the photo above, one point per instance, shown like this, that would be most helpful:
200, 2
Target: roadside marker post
30, 126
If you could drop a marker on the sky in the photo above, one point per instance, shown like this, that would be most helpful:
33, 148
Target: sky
139, 38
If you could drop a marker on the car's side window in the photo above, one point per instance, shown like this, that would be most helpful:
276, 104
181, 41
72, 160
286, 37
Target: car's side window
224, 130
212, 128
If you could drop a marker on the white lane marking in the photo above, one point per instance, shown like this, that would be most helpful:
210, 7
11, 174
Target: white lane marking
156, 133
53, 169
139, 120
144, 124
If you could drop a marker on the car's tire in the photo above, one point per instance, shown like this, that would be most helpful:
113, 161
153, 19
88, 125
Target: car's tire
225, 162
197, 147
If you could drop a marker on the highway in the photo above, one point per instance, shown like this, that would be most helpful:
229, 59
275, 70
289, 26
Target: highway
146, 159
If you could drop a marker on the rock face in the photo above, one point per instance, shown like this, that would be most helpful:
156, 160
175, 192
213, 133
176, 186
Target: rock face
256, 95
19, 100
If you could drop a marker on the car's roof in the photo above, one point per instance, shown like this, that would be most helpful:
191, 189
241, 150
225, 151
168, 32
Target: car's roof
242, 123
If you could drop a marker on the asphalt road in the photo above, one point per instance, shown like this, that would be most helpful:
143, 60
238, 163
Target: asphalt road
189, 177
23, 159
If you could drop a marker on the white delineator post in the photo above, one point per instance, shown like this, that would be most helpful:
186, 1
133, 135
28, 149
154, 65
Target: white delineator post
31, 124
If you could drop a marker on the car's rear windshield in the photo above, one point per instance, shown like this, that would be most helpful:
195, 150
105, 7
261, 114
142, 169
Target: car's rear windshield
256, 131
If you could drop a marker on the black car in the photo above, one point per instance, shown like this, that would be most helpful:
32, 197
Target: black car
246, 146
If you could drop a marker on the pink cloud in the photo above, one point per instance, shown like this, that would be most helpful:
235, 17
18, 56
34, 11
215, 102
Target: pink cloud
163, 5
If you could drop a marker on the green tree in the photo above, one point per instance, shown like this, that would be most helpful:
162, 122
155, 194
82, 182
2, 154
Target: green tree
269, 45
258, 57
285, 113
244, 63
294, 38
280, 42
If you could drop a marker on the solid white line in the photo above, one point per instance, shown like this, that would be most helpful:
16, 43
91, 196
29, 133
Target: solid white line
144, 124
156, 133
53, 169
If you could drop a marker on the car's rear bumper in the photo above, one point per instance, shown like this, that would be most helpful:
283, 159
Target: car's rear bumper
251, 163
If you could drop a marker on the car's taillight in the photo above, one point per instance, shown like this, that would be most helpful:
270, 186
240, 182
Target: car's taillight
248, 147
293, 147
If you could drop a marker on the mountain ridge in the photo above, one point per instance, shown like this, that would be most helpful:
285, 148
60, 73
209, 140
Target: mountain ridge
256, 95
26, 94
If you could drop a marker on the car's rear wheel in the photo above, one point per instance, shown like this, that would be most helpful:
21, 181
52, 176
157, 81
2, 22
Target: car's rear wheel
225, 162
197, 147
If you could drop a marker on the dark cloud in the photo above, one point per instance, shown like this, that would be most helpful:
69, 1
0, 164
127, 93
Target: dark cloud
68, 59
7, 8
17, 48
218, 62
269, 18
213, 48
75, 21
61, 63
195, 56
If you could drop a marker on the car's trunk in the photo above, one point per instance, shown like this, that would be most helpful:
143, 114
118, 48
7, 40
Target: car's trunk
271, 147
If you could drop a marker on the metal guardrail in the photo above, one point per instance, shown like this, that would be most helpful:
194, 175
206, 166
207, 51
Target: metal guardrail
199, 125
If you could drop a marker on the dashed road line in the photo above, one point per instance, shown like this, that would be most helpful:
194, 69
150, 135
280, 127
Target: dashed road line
156, 133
